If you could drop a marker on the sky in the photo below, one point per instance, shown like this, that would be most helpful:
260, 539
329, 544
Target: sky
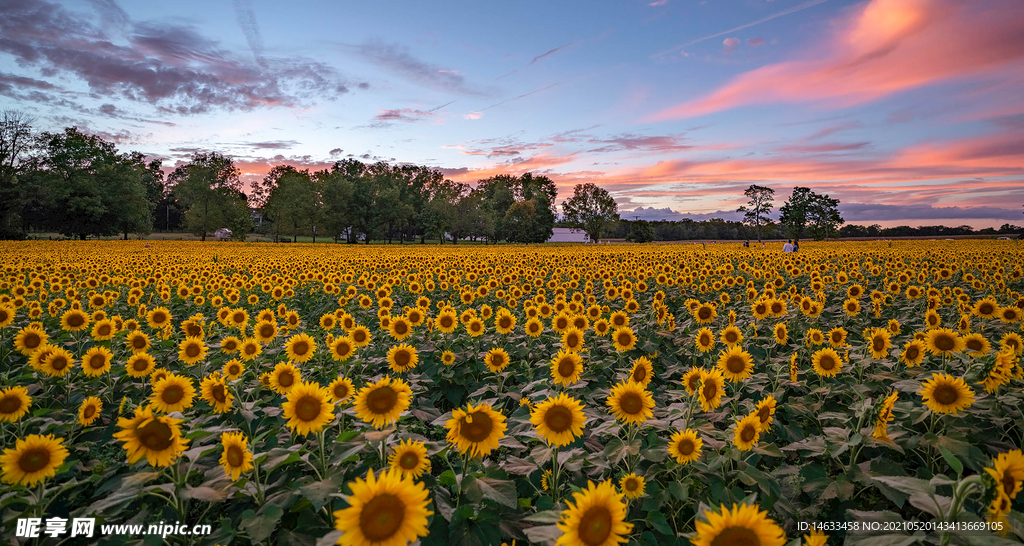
907, 111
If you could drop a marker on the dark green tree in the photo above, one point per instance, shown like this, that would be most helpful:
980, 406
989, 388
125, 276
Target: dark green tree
291, 201
16, 141
209, 188
640, 231
591, 209
762, 199
823, 216
793, 214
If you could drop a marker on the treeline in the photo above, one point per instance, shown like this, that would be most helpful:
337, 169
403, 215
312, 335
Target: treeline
876, 230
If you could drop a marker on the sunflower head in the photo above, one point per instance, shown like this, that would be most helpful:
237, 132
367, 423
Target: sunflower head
32, 459
476, 430
559, 420
381, 403
410, 459
598, 517
943, 393
308, 408
388, 508
630, 402
632, 486
685, 446
14, 403
744, 524
236, 457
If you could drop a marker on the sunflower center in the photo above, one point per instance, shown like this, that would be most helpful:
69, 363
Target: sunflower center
97, 362
631, 403
230, 345
572, 340
382, 400
595, 525
558, 418
624, 339
735, 364
632, 485
704, 313
155, 435
709, 391
1009, 484
104, 330
685, 446
505, 322
705, 340
402, 358
239, 318
877, 344
730, 337
34, 460
944, 342
497, 360
693, 382
566, 367
300, 348
446, 322
58, 362
748, 433
10, 404
172, 394
89, 411
192, 350
912, 352
32, 341
639, 374
477, 426
75, 320
140, 364
736, 536
233, 369
234, 456
218, 393
159, 318
341, 391
946, 394
308, 408
974, 344
764, 413
250, 349
986, 309
401, 327
827, 362
381, 517
266, 330
409, 460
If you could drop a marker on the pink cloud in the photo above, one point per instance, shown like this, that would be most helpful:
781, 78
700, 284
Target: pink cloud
880, 48
730, 44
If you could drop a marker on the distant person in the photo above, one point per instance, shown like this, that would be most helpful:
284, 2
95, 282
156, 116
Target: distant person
788, 247
746, 244
796, 246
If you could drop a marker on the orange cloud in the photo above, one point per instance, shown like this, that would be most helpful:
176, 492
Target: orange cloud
882, 47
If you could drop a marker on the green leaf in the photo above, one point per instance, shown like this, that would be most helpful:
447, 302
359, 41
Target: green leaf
500, 491
952, 461
659, 523
260, 526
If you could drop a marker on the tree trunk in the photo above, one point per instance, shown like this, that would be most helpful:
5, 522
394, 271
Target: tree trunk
203, 237
125, 235
83, 235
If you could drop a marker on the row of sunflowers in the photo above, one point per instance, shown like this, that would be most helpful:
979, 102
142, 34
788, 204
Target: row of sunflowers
857, 393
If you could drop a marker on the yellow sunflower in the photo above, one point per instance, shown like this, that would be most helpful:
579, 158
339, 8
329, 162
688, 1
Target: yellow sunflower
300, 347
446, 322
89, 411
504, 323
448, 358
96, 361
251, 348
705, 340
475, 327
913, 352
741, 525
264, 331
827, 362
735, 364
14, 403
943, 393
624, 339
230, 345
284, 377
976, 345
691, 379
764, 411
943, 341
534, 327
29, 339
685, 446
837, 337
308, 408
33, 459
496, 360
885, 416
341, 390
215, 392
382, 402
400, 328
781, 333
632, 486
155, 437
173, 393
74, 320
711, 389
597, 518
402, 358
572, 340
1008, 472
158, 318
879, 342
236, 457
630, 402
986, 308
410, 458
731, 336
566, 368
476, 430
642, 372
384, 510
705, 313
58, 363
747, 432
1012, 340
559, 420
140, 365
137, 341
192, 350
233, 369
103, 330
342, 348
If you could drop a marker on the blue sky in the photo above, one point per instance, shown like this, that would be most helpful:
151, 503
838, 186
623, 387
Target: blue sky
908, 111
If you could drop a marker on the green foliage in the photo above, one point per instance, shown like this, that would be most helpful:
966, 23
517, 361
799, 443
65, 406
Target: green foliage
210, 191
640, 231
591, 209
762, 199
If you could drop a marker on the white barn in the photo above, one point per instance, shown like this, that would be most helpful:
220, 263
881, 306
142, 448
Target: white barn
568, 235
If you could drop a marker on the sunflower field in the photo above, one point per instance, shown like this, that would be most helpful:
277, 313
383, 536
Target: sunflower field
852, 393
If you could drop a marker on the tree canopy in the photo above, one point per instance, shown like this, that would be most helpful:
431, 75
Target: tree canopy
591, 209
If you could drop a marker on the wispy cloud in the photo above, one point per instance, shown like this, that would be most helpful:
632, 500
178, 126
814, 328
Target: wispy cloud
250, 28
399, 60
523, 96
882, 48
550, 52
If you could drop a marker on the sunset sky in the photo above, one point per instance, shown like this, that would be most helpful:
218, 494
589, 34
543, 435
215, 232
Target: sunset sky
908, 111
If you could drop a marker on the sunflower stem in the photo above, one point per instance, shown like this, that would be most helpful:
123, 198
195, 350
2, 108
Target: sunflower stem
554, 476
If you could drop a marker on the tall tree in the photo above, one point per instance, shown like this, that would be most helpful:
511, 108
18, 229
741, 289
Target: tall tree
762, 199
15, 143
591, 209
823, 216
793, 214
335, 190
291, 202
209, 188
640, 231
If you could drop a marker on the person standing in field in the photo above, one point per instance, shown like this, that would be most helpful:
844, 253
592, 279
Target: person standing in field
788, 247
